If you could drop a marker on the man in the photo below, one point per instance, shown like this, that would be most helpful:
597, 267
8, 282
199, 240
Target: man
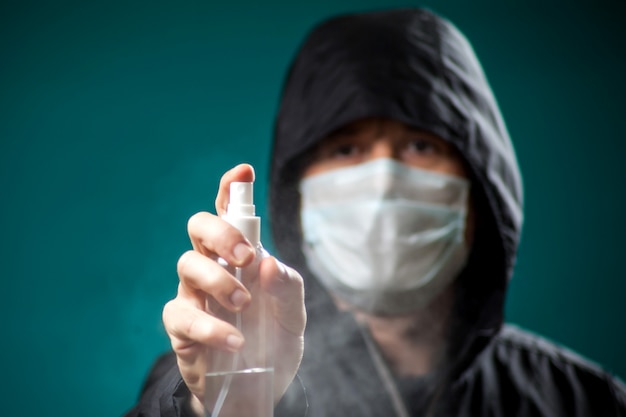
395, 192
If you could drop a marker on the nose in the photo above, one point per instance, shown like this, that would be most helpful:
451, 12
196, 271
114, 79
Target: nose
381, 148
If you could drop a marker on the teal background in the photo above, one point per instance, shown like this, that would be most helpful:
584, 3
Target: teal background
118, 118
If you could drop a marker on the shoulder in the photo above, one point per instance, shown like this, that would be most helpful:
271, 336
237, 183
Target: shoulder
525, 371
532, 350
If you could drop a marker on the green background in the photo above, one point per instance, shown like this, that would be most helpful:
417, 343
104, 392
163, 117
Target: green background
118, 118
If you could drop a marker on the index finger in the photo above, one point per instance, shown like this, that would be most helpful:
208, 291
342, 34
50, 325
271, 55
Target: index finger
240, 173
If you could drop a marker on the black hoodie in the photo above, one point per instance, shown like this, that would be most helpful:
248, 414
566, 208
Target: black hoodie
415, 67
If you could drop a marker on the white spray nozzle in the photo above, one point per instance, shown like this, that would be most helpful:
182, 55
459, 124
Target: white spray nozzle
240, 212
241, 199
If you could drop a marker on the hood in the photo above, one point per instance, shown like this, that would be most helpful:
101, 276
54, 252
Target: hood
413, 66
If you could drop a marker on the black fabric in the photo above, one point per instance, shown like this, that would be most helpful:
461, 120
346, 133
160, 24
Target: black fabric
164, 393
413, 66
516, 375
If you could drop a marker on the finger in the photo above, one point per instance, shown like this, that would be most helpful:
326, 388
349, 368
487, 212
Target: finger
240, 173
192, 368
200, 276
187, 326
286, 287
213, 236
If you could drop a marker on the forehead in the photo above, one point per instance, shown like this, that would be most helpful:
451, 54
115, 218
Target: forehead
376, 128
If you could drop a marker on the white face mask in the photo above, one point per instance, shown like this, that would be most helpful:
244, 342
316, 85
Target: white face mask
384, 237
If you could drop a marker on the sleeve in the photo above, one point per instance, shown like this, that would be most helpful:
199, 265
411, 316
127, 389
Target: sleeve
164, 394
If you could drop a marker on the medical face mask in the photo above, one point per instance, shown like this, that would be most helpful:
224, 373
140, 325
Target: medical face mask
382, 236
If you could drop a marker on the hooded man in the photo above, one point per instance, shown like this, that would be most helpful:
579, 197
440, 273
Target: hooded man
395, 192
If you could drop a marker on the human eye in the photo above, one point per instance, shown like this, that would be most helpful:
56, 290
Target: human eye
343, 151
423, 151
340, 148
422, 146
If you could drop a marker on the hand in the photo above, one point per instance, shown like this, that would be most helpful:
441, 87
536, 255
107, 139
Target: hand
193, 330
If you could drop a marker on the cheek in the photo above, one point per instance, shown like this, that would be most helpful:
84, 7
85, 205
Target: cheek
443, 165
316, 168
328, 165
454, 167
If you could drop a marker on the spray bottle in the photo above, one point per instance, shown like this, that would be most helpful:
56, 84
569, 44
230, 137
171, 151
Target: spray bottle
241, 383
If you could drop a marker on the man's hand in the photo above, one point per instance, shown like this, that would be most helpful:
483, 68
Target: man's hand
193, 330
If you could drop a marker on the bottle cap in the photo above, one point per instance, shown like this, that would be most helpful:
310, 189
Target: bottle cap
241, 211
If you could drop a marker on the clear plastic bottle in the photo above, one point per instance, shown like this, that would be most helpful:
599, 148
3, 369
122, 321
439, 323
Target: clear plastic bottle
241, 384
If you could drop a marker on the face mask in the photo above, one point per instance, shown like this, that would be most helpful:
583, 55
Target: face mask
382, 236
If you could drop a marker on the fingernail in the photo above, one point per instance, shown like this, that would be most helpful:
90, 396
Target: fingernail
234, 341
242, 252
238, 298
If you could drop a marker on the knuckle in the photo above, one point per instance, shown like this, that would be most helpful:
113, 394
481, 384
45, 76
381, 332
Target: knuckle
168, 313
192, 378
197, 329
194, 221
182, 266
